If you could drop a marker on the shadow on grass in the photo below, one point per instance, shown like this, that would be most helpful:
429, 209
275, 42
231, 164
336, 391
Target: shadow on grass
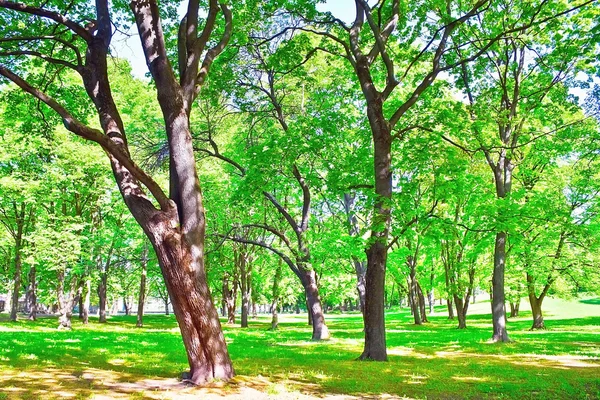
434, 360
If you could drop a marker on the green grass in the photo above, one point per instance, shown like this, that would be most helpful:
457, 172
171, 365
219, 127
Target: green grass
433, 361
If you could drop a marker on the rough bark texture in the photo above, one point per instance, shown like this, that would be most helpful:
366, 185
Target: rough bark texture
315, 309
375, 341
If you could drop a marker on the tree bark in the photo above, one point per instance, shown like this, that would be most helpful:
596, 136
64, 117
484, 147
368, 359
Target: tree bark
102, 298
315, 309
275, 304
86, 300
421, 298
142, 294
514, 309
498, 301
18, 236
32, 294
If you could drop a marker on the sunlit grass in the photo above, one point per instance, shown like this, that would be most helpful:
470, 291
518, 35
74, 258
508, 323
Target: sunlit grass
430, 361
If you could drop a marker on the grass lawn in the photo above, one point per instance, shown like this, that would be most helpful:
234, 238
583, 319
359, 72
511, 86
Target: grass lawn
433, 361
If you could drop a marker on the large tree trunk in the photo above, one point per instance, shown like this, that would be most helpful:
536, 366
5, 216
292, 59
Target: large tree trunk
375, 342
498, 301
536, 310
460, 312
193, 307
313, 301
142, 294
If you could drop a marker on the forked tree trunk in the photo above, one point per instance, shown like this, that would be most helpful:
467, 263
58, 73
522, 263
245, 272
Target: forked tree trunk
460, 312
315, 309
498, 301
66, 300
450, 308
230, 297
536, 310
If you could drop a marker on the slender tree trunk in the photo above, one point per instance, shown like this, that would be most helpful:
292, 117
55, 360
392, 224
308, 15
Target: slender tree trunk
498, 301
87, 288
274, 305
414, 291
315, 309
375, 341
102, 298
359, 266
230, 296
142, 294
18, 267
245, 284
166, 300
421, 298
32, 294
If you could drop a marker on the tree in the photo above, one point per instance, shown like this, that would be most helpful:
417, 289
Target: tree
176, 228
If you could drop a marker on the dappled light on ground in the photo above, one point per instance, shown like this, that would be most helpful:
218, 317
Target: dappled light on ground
117, 360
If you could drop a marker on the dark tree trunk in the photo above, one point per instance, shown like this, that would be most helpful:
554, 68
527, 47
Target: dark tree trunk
309, 314
450, 308
315, 309
536, 310
375, 341
460, 312
421, 298
32, 294
244, 268
498, 301
142, 294
514, 309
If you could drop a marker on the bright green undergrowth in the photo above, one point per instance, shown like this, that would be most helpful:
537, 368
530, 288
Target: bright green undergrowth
434, 360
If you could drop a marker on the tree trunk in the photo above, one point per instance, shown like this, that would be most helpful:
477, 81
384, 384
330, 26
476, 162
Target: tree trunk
166, 300
498, 302
514, 309
193, 307
245, 284
460, 312
142, 294
32, 294
450, 308
315, 309
421, 298
86, 300
414, 291
536, 310
375, 342
66, 300
14, 305
102, 298
230, 296
276, 279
